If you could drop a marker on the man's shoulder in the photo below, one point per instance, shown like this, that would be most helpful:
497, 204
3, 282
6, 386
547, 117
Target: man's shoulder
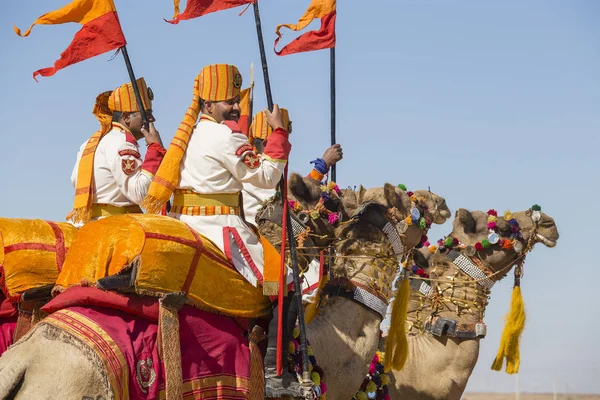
117, 137
225, 127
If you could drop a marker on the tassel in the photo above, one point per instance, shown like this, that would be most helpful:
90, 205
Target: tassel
257, 372
169, 345
509, 344
396, 346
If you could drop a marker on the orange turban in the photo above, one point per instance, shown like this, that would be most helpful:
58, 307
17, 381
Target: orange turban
217, 82
260, 129
123, 98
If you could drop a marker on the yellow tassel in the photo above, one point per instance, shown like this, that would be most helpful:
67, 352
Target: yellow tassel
396, 345
509, 344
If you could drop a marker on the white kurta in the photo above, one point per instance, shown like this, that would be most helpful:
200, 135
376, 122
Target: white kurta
121, 178
220, 160
254, 198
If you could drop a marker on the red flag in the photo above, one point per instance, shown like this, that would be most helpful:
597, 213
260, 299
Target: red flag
324, 38
198, 8
101, 31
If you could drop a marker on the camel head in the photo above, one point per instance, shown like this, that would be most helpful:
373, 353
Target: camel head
376, 211
501, 241
316, 206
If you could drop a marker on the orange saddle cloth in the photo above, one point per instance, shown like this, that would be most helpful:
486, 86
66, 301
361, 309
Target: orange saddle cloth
165, 256
32, 253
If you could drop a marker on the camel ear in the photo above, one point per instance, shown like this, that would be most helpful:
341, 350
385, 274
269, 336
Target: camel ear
420, 259
361, 194
298, 187
389, 193
465, 219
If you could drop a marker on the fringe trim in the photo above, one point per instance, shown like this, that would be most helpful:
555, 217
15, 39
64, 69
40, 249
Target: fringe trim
271, 288
152, 205
80, 215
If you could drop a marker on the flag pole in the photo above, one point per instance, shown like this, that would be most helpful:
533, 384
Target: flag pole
306, 381
136, 90
263, 56
332, 91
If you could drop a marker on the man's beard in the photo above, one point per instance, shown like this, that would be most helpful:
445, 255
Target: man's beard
231, 116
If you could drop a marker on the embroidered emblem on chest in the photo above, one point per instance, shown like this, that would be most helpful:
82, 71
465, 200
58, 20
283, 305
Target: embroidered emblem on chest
128, 166
251, 160
145, 375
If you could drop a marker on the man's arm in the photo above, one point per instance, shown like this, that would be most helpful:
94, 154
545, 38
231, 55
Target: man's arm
132, 175
331, 156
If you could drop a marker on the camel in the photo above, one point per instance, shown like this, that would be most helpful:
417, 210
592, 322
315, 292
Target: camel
45, 346
439, 365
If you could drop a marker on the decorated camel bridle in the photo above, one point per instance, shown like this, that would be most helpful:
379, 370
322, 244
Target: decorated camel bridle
442, 293
374, 296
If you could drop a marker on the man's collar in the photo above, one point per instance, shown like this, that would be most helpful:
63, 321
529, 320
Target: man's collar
121, 127
206, 117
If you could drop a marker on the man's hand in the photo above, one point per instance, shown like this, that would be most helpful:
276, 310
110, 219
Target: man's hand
333, 154
275, 118
153, 136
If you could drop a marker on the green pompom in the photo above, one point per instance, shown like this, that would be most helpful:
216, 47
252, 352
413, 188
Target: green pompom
536, 207
448, 242
485, 243
423, 223
371, 387
403, 187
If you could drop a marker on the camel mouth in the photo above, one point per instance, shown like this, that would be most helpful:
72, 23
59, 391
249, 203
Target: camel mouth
547, 242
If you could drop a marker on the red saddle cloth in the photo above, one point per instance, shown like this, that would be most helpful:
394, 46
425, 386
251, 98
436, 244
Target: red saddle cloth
122, 331
8, 323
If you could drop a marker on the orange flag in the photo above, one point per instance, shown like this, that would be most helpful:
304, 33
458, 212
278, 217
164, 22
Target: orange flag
198, 8
324, 38
244, 121
101, 31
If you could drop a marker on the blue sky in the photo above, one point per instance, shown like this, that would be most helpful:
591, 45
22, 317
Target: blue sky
491, 104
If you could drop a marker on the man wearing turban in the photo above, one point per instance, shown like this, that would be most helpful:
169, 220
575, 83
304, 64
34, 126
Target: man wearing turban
110, 177
205, 169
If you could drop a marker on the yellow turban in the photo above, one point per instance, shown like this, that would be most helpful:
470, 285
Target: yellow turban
217, 82
123, 98
260, 129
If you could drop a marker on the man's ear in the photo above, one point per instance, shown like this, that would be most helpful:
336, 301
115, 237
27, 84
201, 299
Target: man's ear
208, 107
126, 117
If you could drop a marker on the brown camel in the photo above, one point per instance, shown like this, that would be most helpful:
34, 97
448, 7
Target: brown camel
445, 327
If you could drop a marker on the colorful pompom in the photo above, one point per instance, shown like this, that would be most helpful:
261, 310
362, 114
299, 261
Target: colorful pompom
333, 218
